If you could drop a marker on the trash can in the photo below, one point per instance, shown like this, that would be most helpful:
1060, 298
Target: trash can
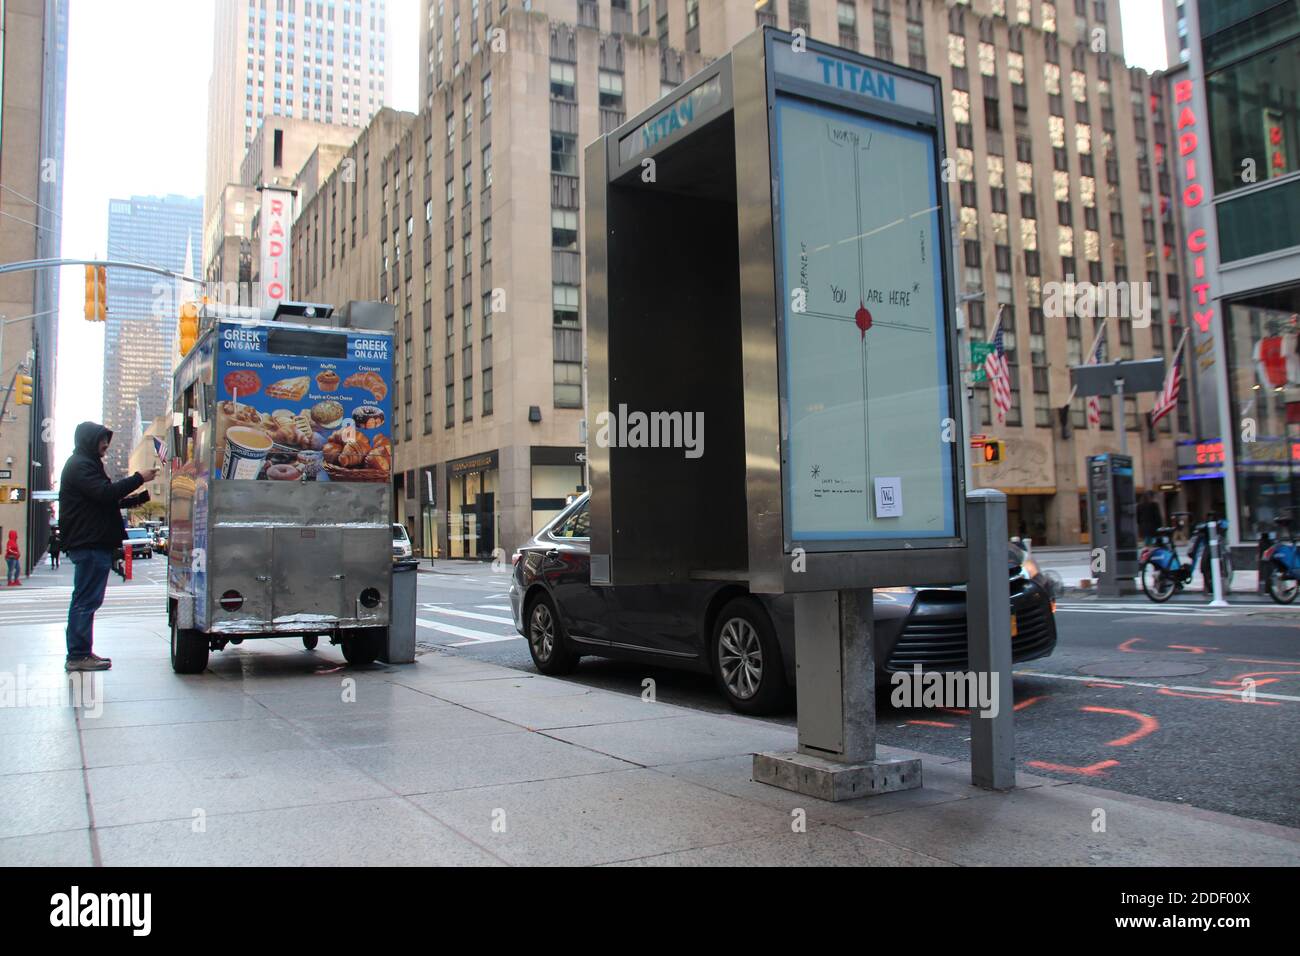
401, 628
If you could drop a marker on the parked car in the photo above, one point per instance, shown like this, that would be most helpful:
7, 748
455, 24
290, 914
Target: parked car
745, 641
138, 540
401, 542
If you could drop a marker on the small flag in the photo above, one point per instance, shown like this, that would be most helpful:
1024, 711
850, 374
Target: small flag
999, 377
160, 448
1167, 398
1094, 401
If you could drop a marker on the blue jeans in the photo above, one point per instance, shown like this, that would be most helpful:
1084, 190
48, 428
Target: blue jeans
88, 583
13, 569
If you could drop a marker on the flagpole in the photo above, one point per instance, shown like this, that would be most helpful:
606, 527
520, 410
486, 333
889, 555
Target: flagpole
1101, 329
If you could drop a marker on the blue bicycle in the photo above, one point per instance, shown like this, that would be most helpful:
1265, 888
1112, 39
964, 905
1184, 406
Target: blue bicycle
1163, 572
1280, 565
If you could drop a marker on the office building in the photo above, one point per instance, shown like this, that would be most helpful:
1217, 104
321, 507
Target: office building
480, 233
139, 334
35, 61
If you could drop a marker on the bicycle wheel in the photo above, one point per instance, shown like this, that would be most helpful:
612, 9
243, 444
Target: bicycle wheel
1156, 584
1282, 588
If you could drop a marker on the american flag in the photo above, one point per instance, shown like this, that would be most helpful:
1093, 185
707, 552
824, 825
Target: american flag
999, 376
1167, 397
1094, 401
160, 447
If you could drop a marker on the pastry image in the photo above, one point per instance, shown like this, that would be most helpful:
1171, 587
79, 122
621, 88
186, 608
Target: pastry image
283, 472
291, 389
327, 380
327, 414
350, 456
372, 382
368, 416
241, 382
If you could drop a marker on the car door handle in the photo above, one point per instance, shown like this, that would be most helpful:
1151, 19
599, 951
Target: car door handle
553, 554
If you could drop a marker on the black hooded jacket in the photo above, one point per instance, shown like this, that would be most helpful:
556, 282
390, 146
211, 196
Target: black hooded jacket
89, 504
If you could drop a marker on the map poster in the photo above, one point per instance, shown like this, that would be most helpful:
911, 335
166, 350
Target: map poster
866, 342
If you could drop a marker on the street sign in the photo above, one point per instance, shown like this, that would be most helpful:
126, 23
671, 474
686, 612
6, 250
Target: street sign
979, 351
1147, 375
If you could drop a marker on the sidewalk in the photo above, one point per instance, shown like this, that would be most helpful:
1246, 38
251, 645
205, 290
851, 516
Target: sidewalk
450, 761
1073, 564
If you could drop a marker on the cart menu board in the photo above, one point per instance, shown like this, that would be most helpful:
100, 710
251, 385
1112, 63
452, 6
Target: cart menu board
870, 451
303, 404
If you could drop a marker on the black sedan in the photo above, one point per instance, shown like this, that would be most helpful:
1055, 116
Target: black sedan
745, 640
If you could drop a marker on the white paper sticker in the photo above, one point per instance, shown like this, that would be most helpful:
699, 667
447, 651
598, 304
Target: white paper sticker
889, 498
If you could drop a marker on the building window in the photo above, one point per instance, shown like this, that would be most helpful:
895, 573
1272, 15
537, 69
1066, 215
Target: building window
563, 82
564, 154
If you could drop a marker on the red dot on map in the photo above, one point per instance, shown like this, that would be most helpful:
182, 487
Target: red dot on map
863, 318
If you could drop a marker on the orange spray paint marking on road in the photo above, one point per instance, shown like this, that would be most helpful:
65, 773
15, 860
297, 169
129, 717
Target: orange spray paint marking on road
961, 711
1032, 700
1236, 681
1191, 648
931, 723
1097, 683
1127, 646
1148, 725
1223, 697
1094, 770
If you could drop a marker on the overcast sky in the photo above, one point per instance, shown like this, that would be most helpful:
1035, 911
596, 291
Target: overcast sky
136, 125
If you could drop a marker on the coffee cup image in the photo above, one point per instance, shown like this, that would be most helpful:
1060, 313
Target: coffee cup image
246, 450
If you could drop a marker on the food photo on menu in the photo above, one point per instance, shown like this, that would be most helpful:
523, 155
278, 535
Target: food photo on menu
302, 419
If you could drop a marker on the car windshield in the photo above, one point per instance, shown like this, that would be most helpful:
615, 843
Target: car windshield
137, 533
399, 533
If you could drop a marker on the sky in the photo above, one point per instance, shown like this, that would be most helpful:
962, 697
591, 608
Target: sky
136, 125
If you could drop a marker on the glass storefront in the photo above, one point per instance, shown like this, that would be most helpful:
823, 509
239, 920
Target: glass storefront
473, 521
1263, 333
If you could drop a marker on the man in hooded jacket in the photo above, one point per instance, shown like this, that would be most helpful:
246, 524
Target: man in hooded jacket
90, 520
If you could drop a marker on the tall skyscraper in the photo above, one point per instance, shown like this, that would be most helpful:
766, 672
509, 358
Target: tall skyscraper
324, 61
34, 83
142, 309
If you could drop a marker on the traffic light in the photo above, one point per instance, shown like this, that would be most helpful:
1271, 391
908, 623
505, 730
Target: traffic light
994, 451
189, 326
96, 293
23, 389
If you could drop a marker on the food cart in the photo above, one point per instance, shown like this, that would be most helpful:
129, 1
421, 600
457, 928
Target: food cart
281, 481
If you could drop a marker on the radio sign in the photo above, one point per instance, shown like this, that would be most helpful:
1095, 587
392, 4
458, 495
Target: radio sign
276, 219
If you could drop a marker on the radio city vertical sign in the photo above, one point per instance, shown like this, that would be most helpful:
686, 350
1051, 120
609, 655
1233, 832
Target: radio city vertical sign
1200, 236
276, 221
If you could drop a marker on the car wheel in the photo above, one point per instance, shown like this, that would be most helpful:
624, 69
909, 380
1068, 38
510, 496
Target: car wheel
747, 659
189, 651
547, 642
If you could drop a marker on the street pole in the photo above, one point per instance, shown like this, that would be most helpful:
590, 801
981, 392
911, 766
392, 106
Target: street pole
1123, 417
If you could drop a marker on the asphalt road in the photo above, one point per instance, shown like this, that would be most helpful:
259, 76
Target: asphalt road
1171, 718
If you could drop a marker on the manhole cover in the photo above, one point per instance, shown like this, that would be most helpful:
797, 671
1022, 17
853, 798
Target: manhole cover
1142, 669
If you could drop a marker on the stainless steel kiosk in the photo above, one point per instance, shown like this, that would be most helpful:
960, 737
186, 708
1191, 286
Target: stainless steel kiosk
1112, 523
768, 265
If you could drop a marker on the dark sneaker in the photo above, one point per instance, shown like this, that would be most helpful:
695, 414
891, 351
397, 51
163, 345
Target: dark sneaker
86, 664
95, 657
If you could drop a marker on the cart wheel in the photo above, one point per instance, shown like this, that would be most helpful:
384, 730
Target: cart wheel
310, 642
189, 651
362, 645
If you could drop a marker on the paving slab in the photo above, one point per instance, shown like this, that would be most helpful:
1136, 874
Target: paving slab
189, 710
385, 832
66, 848
39, 751
682, 738
43, 802
506, 685
435, 765
821, 845
590, 708
138, 745
436, 721
175, 789
601, 818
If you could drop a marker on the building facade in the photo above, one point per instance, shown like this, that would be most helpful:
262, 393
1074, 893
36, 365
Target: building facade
1236, 114
34, 47
1056, 179
321, 60
140, 332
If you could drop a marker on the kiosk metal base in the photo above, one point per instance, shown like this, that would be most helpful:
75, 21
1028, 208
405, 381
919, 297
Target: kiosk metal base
833, 781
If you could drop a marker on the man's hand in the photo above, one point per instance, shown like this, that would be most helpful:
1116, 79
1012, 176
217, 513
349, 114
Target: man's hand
148, 475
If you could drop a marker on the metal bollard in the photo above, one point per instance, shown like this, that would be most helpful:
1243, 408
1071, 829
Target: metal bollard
988, 639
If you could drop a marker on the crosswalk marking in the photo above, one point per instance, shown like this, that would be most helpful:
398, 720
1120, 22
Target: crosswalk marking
491, 618
493, 607
474, 637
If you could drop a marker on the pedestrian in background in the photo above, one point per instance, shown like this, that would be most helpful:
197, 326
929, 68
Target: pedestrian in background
55, 541
11, 558
1149, 518
90, 517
